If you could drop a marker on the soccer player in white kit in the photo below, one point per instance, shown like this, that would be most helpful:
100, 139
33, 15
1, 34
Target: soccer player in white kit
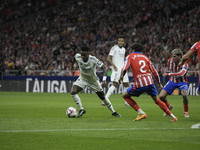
116, 60
88, 78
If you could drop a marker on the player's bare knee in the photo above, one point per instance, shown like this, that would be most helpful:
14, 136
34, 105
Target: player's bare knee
115, 84
184, 93
125, 95
73, 92
125, 84
162, 97
163, 94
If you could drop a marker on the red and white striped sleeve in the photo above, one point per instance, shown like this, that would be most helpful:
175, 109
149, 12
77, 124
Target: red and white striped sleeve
180, 73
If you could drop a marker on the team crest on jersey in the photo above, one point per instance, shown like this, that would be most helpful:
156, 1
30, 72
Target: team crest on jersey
88, 64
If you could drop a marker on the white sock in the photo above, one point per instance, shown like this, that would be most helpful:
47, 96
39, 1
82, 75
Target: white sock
125, 89
172, 116
110, 91
77, 100
140, 111
108, 104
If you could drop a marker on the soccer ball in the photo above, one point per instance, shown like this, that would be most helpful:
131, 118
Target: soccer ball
71, 112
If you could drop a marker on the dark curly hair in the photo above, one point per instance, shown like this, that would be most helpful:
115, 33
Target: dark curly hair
85, 49
120, 36
137, 47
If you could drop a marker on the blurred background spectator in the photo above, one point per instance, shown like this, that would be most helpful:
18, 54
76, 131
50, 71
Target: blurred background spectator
41, 37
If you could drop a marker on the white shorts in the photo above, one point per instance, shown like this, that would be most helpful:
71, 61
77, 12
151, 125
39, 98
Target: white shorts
116, 75
95, 86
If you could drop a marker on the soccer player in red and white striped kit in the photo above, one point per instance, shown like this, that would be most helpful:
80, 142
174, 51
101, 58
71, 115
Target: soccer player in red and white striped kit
178, 79
194, 49
142, 68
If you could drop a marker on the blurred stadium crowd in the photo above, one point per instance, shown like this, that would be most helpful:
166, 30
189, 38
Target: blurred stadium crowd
40, 37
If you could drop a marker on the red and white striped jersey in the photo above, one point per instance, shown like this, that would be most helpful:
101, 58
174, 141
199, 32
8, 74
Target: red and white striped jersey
177, 74
141, 68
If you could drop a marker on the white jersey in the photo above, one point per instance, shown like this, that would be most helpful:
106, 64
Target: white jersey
88, 69
118, 56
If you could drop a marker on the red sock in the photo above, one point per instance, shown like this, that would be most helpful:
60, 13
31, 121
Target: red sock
167, 103
163, 106
185, 107
132, 103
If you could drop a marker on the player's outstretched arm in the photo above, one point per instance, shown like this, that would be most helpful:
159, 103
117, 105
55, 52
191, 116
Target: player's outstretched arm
185, 57
181, 73
109, 60
123, 72
155, 73
72, 65
105, 69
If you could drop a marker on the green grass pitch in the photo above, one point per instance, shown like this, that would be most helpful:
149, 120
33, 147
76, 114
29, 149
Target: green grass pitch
37, 121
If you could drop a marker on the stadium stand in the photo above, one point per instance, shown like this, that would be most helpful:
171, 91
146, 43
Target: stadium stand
41, 37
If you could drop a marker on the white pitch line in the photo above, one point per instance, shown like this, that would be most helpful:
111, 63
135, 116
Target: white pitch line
117, 129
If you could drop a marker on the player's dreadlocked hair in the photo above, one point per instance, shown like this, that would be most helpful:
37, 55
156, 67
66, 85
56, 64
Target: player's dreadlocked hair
137, 47
85, 49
